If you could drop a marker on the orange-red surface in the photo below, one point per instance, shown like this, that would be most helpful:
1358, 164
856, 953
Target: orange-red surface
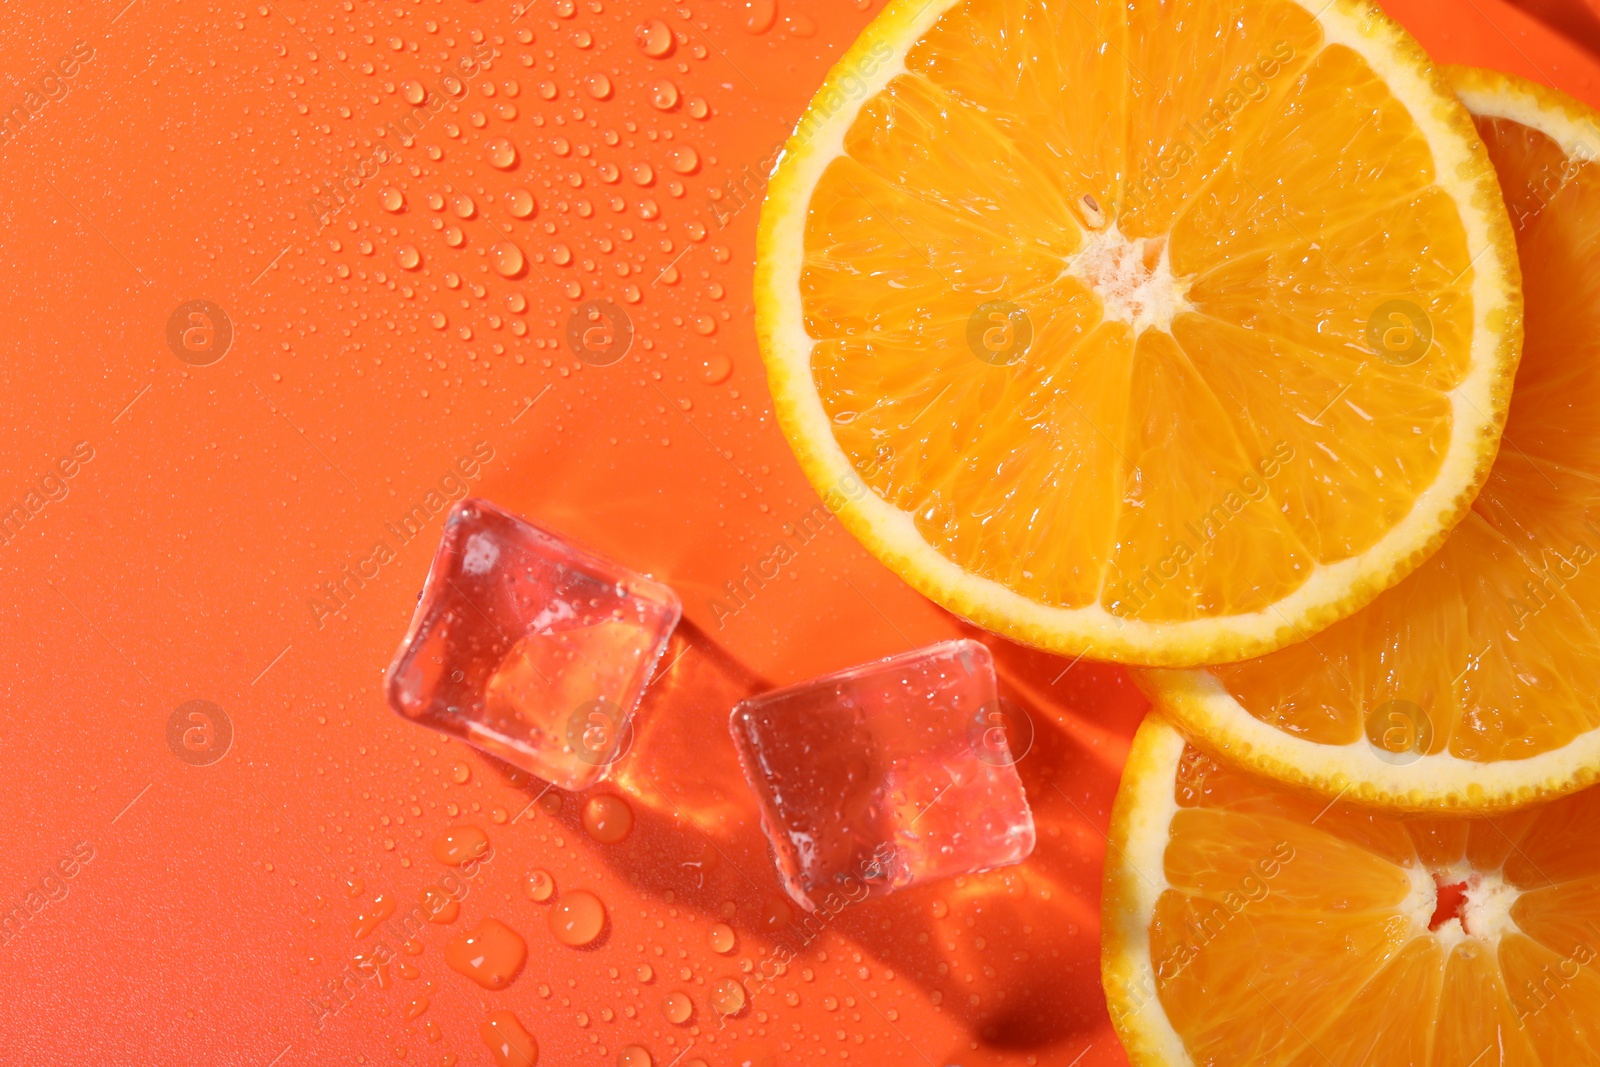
187, 558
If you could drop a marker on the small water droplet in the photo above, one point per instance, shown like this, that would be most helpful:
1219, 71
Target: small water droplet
598, 86
408, 256
462, 205
539, 885
721, 938
412, 92
633, 1056
391, 198
697, 108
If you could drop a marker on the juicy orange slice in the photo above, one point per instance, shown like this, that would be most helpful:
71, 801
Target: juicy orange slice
1245, 924
1165, 332
1472, 682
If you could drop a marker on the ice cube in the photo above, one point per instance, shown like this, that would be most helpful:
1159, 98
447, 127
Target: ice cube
530, 648
885, 775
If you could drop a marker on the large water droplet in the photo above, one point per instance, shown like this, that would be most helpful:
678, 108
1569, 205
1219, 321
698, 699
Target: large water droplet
521, 203
509, 1043
759, 15
577, 918
412, 92
391, 198
598, 86
683, 159
501, 154
663, 95
506, 258
654, 38
607, 818
408, 256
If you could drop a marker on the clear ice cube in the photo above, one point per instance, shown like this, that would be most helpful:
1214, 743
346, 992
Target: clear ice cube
885, 775
530, 648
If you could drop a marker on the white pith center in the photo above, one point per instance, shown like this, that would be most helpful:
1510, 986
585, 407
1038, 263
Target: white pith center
1132, 277
1485, 914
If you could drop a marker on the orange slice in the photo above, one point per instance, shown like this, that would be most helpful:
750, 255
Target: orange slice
1164, 332
1246, 924
1471, 684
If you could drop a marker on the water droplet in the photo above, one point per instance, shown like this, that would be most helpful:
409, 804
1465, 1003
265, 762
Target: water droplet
598, 86
633, 1056
368, 918
462, 205
509, 1043
697, 108
438, 320
501, 154
677, 1007
663, 95
577, 918
454, 237
759, 15
560, 255
940, 909
539, 885
642, 173
654, 38
516, 302
721, 938
490, 954
418, 1005
800, 25
459, 844
408, 256
439, 906
643, 972
607, 817
521, 204
412, 92
391, 198
727, 997
507, 259
704, 325
565, 9
776, 914
683, 159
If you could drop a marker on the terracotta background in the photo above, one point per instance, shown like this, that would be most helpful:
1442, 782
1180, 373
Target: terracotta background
187, 557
